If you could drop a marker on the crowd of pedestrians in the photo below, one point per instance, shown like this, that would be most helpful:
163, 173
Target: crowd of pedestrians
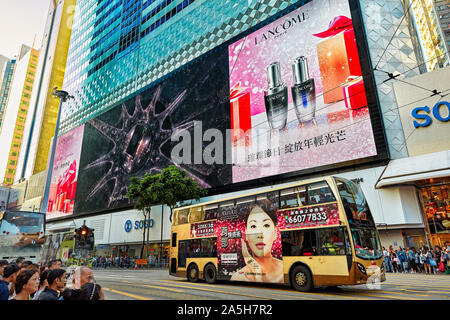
25, 280
423, 260
127, 262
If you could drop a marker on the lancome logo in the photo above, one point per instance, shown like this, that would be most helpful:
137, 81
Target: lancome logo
280, 29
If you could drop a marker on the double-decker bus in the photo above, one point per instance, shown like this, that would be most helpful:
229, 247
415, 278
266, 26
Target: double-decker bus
311, 233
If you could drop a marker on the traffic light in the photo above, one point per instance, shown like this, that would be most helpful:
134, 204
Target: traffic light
84, 236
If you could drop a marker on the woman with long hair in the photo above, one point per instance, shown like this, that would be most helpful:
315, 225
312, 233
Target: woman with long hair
27, 282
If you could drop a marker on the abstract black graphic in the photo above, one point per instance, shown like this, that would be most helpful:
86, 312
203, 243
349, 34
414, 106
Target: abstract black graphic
134, 138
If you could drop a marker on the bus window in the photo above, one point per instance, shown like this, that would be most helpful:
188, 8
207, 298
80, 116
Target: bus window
299, 243
355, 204
290, 198
320, 192
194, 248
196, 214
209, 247
332, 241
182, 216
211, 211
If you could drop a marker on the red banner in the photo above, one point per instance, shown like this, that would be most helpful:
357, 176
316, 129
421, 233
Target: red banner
313, 216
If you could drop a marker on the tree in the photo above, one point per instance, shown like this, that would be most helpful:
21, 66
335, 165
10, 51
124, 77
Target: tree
171, 187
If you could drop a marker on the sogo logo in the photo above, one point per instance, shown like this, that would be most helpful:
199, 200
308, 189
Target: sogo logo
437, 113
138, 224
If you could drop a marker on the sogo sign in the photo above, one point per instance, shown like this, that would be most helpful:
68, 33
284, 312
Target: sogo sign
418, 113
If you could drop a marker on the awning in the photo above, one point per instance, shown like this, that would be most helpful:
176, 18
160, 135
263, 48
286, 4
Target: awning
401, 171
60, 226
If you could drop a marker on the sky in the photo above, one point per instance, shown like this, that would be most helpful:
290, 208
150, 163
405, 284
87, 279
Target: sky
20, 22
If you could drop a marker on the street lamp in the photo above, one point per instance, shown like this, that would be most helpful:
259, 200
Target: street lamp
63, 96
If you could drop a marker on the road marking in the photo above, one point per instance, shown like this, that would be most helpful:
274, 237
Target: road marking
416, 285
270, 289
126, 294
195, 287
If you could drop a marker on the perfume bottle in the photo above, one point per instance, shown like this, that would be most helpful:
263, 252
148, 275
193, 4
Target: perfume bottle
303, 91
276, 98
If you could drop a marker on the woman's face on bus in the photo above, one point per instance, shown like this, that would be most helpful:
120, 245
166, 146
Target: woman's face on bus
260, 232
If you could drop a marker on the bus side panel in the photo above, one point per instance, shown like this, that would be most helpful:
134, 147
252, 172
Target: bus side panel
326, 270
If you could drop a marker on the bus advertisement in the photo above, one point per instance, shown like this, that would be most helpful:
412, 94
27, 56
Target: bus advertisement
311, 233
21, 235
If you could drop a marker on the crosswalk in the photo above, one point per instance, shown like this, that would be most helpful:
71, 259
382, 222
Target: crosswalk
396, 287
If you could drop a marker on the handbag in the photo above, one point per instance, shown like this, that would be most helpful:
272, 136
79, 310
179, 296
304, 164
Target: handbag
433, 263
441, 267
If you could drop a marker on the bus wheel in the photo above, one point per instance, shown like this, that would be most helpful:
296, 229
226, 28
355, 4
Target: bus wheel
192, 273
210, 274
301, 279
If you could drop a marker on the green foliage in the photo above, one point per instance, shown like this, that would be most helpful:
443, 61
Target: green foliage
170, 187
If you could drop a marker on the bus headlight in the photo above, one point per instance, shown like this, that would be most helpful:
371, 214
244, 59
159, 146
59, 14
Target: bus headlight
361, 268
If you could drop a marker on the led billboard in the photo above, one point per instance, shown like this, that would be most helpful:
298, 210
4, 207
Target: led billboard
65, 174
280, 100
297, 98
135, 137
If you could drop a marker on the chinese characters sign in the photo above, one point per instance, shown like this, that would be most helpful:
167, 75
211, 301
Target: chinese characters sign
322, 215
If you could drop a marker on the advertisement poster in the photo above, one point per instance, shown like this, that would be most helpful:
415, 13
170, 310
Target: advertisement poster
297, 96
249, 241
325, 215
204, 229
65, 174
21, 234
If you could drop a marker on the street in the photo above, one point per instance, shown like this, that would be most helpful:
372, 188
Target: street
159, 285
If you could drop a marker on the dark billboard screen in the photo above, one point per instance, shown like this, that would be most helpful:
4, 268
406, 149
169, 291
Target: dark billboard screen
134, 138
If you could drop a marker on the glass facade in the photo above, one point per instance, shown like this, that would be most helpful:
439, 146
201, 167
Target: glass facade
120, 46
5, 87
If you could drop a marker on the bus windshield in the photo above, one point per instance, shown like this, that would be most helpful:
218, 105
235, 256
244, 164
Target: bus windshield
362, 225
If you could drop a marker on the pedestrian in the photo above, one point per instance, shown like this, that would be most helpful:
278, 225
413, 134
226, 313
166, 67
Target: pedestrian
427, 256
10, 273
27, 283
418, 261
403, 259
437, 257
82, 276
19, 261
386, 260
56, 283
3, 264
55, 264
91, 291
43, 283
411, 260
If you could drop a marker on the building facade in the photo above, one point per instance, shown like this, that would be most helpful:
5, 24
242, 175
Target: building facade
141, 70
40, 125
6, 80
16, 112
442, 8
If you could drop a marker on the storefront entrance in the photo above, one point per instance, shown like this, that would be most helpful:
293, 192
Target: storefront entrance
434, 195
